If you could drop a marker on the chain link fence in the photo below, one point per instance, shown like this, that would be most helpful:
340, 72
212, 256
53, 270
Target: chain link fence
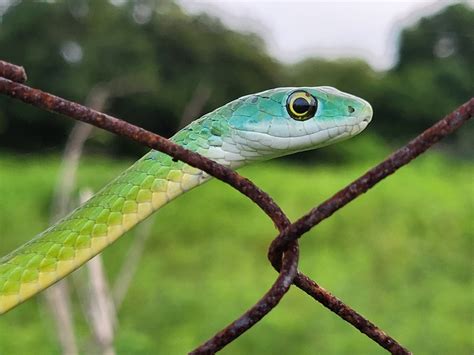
283, 252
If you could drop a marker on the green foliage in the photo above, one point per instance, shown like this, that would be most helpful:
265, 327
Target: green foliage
447, 34
412, 99
433, 74
350, 75
152, 56
154, 59
401, 255
432, 77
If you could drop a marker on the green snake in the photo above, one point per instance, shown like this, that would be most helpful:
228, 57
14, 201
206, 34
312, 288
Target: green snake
252, 128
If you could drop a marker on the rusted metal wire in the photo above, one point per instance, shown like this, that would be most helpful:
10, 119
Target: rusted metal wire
12, 72
351, 316
257, 312
70, 109
395, 161
76, 111
285, 244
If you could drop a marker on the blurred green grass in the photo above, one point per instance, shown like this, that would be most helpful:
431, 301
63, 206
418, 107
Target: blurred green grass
401, 255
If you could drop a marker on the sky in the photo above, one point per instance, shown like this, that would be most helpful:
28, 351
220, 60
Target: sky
293, 30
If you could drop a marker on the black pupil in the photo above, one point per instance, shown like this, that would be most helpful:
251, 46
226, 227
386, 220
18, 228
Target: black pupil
300, 105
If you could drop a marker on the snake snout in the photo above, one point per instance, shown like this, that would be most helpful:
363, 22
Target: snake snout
366, 113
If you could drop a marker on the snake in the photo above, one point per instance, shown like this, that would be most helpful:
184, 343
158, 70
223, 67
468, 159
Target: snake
252, 128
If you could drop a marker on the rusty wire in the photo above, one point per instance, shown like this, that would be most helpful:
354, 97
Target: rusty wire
391, 164
70, 109
12, 72
286, 242
55, 104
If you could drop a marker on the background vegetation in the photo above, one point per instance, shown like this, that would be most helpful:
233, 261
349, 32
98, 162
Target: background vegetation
401, 255
170, 57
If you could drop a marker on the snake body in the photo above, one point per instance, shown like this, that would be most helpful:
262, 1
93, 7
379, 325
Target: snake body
256, 127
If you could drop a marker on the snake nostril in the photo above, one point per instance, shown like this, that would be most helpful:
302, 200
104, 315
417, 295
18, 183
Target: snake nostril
351, 109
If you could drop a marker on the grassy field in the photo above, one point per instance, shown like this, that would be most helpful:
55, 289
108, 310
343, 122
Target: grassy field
401, 255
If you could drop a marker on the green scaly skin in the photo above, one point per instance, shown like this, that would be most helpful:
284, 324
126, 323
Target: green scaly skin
253, 128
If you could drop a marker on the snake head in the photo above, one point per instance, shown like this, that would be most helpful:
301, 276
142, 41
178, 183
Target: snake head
287, 120
279, 122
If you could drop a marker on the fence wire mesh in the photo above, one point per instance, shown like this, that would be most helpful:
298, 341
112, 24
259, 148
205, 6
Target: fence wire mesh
284, 250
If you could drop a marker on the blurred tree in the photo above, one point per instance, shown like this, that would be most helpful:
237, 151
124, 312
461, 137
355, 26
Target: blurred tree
72, 46
447, 34
351, 75
434, 74
171, 59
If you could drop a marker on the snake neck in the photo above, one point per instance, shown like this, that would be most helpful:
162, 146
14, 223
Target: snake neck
150, 183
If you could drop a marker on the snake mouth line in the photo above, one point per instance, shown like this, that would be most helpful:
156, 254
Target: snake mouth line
363, 124
301, 142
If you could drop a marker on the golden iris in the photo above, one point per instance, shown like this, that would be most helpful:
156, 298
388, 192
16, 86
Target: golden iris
301, 105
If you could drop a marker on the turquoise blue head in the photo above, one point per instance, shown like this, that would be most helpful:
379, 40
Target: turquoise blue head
281, 121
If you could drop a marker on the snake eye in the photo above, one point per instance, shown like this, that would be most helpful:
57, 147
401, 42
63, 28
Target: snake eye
301, 105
